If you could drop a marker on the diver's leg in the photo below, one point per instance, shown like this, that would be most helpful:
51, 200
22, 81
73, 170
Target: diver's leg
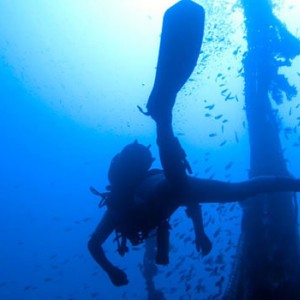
172, 155
180, 45
162, 257
202, 190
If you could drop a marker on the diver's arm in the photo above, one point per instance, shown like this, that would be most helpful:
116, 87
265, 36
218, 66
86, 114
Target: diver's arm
202, 242
102, 232
220, 191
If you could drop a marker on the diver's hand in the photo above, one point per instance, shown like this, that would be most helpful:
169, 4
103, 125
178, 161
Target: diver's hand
204, 244
118, 277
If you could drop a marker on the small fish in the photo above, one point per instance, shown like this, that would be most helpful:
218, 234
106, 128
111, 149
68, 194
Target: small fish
207, 170
210, 107
236, 137
217, 233
219, 75
181, 236
228, 248
223, 92
228, 166
218, 117
229, 97
223, 143
241, 70
212, 135
168, 274
286, 136
187, 239
235, 52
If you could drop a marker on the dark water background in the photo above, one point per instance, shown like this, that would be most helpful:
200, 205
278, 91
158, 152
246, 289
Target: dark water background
63, 118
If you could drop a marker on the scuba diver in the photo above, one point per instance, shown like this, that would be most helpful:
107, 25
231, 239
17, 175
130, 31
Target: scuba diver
181, 40
141, 200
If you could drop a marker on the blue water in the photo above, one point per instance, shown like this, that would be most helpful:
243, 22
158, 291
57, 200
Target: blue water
50, 154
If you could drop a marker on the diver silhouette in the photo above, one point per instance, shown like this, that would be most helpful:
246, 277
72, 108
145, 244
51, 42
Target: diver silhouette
141, 200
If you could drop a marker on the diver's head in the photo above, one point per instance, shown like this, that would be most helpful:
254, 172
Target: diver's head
130, 165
